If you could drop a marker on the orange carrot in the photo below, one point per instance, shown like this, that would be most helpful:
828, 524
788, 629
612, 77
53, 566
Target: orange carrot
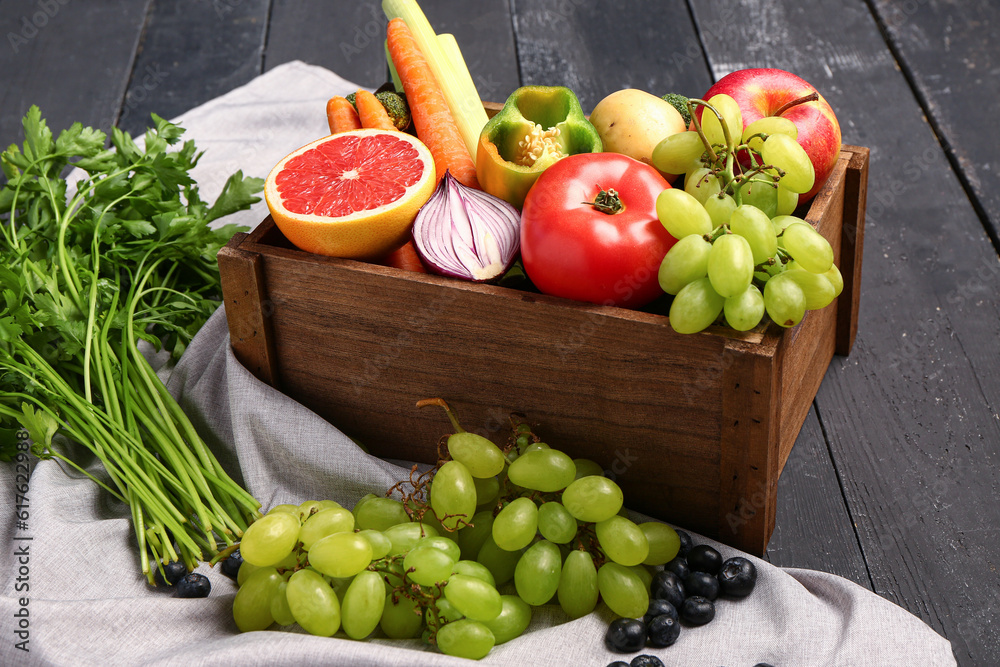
371, 112
341, 115
431, 117
405, 258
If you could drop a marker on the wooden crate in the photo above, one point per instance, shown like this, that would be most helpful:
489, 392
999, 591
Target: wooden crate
695, 428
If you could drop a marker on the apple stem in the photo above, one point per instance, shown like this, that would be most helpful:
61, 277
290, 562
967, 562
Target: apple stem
811, 97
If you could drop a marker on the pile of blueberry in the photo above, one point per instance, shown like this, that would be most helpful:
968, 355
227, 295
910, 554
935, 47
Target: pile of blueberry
684, 591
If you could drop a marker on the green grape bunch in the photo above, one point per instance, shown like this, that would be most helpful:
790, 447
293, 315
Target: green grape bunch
740, 254
430, 558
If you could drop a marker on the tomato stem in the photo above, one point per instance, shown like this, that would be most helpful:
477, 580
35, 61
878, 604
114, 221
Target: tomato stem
607, 201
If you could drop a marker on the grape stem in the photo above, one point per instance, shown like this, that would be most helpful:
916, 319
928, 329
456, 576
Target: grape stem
441, 403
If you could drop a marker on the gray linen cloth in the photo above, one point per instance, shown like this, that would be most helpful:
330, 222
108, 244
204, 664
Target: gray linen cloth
89, 605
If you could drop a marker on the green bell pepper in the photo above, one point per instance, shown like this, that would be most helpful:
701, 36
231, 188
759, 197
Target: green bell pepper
537, 126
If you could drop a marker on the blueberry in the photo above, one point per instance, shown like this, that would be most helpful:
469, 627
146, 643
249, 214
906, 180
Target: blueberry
668, 586
697, 610
737, 577
659, 607
193, 585
663, 630
625, 635
173, 572
231, 566
679, 566
686, 543
703, 584
646, 660
763, 664
704, 558
618, 663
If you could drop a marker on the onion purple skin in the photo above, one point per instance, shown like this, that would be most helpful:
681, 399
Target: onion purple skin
466, 233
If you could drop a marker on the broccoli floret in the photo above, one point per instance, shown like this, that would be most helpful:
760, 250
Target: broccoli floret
395, 105
680, 103
397, 108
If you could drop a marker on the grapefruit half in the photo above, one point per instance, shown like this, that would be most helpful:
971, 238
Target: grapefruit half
352, 194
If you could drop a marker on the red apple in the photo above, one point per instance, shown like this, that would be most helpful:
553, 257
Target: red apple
768, 92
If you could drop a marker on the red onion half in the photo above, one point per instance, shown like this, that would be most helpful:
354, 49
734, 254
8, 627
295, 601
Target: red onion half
467, 233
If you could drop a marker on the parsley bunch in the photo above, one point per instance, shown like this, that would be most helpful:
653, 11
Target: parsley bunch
89, 269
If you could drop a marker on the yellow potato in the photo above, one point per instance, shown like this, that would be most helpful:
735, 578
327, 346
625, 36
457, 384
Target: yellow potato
632, 122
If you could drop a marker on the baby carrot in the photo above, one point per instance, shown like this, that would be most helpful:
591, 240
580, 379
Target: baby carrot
431, 117
341, 115
371, 112
405, 258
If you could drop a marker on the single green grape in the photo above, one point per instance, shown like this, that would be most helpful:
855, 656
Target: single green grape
453, 495
363, 604
622, 590
816, 287
487, 490
784, 300
246, 569
404, 536
465, 639
808, 247
401, 618
730, 265
473, 597
701, 184
512, 621
695, 307
678, 153
471, 568
586, 468
836, 279
682, 214
381, 545
500, 562
341, 554
720, 208
685, 262
536, 576
323, 523
768, 125
788, 201
753, 224
555, 523
761, 193
441, 543
313, 603
515, 526
786, 154
545, 470
280, 610
308, 508
426, 565
664, 543
252, 605
286, 508
470, 538
593, 499
270, 538
378, 513
622, 541
730, 111
745, 310
577, 590
481, 457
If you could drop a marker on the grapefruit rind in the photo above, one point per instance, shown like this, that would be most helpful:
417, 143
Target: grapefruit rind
367, 234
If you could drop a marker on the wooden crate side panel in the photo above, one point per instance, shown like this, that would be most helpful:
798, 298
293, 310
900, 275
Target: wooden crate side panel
244, 294
360, 348
853, 235
806, 349
748, 466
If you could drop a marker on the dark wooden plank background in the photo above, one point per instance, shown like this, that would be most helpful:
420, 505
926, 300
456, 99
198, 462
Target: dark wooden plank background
893, 480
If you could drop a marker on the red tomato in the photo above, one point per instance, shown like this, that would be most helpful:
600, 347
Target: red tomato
572, 249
